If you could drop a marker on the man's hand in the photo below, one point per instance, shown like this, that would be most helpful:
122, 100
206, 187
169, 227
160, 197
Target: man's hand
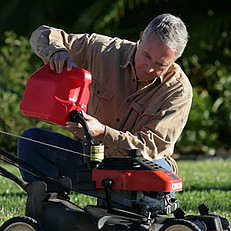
58, 59
96, 129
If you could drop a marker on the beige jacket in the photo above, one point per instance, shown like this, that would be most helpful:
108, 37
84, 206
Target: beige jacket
151, 118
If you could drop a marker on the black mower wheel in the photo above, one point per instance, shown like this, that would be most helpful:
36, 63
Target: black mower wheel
22, 223
179, 225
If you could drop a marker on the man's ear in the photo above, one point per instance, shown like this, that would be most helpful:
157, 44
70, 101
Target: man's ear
141, 35
140, 40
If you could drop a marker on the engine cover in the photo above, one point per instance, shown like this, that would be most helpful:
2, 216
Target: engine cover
136, 174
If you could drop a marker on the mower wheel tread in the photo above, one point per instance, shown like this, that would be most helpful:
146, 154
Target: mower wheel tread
182, 224
12, 223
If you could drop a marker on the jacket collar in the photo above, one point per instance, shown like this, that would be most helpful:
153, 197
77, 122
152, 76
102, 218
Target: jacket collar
130, 56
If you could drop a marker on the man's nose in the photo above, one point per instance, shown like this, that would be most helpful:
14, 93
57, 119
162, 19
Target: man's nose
149, 68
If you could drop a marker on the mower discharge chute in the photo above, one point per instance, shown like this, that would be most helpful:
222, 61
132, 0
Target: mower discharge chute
132, 193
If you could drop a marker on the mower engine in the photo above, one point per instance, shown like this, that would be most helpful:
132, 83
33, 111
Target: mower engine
131, 183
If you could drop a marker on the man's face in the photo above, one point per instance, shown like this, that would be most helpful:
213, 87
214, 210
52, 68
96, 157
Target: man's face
152, 58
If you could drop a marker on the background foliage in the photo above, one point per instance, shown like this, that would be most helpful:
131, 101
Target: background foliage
206, 60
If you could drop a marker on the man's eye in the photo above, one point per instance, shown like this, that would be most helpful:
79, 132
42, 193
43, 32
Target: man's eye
162, 65
147, 56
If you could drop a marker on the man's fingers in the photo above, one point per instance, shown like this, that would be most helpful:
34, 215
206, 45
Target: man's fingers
74, 125
86, 116
59, 59
52, 64
69, 64
59, 66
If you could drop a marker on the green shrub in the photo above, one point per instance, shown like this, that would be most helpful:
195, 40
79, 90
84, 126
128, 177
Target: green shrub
15, 66
200, 133
209, 124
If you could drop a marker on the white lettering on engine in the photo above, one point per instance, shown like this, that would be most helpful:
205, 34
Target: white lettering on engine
176, 186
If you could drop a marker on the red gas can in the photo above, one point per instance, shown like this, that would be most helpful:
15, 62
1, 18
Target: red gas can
51, 97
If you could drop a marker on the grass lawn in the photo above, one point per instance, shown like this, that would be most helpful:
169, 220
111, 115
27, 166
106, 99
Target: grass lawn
203, 181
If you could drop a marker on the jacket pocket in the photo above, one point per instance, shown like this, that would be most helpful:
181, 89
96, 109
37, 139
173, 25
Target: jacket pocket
144, 109
100, 98
100, 90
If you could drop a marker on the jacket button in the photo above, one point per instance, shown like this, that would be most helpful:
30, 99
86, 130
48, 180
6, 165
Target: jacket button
128, 100
117, 119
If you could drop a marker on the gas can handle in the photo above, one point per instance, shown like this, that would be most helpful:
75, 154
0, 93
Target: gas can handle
77, 116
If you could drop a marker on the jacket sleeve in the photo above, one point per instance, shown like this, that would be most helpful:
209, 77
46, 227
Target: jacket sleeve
45, 41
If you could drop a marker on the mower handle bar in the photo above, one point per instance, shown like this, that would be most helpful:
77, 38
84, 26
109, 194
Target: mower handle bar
27, 167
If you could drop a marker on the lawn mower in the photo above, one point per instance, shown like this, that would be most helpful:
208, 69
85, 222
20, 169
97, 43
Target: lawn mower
132, 193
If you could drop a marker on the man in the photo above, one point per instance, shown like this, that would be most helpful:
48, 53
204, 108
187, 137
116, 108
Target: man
139, 97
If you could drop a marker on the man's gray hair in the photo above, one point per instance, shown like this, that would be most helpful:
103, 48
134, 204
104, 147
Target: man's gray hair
171, 31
